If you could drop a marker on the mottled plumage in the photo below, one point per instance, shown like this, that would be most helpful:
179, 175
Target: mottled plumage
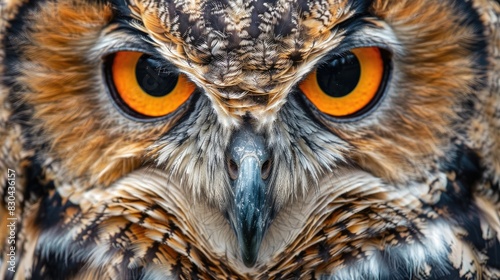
406, 189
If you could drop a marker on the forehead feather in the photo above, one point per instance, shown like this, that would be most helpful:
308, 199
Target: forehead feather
239, 23
242, 49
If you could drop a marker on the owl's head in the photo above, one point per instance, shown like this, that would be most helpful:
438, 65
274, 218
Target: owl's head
247, 105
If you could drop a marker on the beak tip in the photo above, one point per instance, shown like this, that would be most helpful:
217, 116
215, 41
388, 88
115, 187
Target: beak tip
250, 261
250, 250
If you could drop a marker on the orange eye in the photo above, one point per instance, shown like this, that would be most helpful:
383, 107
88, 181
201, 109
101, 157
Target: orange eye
146, 86
347, 84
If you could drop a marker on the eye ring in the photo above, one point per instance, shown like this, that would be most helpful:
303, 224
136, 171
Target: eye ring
144, 87
349, 86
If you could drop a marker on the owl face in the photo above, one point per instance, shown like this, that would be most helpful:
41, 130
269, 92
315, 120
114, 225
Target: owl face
248, 106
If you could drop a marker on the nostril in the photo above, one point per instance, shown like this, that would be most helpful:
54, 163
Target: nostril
266, 169
232, 168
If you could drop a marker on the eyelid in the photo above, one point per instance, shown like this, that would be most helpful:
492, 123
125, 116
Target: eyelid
120, 39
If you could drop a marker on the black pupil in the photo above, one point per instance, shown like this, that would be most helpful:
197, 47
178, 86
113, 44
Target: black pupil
153, 78
339, 76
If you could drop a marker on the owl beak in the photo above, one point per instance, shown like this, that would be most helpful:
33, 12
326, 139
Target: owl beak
250, 213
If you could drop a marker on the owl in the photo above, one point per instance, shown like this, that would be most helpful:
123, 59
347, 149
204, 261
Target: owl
260, 139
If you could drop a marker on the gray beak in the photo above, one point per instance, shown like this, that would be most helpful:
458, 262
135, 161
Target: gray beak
251, 211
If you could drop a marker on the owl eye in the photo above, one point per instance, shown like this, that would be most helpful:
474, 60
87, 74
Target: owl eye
347, 85
143, 84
